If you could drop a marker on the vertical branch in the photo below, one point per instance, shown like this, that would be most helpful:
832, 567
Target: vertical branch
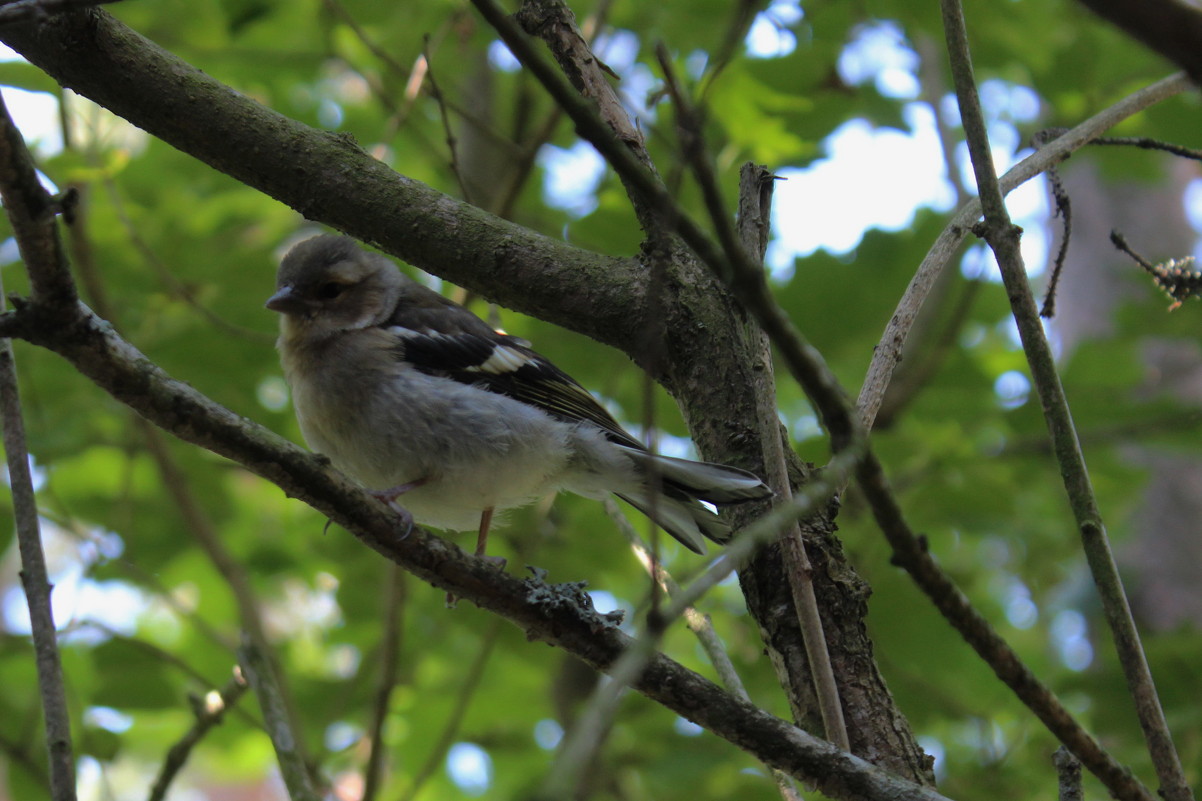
390, 645
755, 203
260, 675
1003, 238
36, 583
30, 210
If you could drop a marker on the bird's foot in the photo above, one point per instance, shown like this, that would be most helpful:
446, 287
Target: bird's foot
388, 498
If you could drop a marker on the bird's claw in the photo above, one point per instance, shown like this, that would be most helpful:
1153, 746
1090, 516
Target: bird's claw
388, 498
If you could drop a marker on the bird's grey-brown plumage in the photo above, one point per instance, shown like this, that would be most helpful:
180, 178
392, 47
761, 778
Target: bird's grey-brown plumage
404, 389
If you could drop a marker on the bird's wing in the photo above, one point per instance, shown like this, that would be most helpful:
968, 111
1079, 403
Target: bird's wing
456, 344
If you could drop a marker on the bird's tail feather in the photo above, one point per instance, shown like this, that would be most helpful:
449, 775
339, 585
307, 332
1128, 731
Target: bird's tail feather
706, 481
685, 519
683, 485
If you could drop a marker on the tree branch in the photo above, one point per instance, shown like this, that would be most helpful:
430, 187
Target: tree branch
1003, 238
328, 178
755, 202
888, 352
30, 211
260, 675
210, 711
1171, 28
390, 645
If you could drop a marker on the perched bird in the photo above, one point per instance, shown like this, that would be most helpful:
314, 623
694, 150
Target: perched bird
413, 395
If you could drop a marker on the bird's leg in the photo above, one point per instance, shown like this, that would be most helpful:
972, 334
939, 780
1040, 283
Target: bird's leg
481, 544
482, 534
392, 493
482, 539
388, 498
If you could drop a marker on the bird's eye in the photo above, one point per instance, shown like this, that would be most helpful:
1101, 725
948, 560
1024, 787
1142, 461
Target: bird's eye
330, 290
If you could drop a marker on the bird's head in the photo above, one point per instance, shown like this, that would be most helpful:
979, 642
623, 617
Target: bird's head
328, 284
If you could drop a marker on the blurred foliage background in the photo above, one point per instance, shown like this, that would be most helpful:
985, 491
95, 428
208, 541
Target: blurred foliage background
181, 258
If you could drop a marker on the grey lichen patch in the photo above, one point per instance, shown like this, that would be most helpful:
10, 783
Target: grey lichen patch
570, 597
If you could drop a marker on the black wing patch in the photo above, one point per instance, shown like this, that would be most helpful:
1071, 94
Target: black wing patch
507, 366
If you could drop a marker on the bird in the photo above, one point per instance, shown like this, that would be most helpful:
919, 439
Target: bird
449, 421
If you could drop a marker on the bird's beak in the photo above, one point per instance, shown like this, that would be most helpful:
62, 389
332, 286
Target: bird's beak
285, 301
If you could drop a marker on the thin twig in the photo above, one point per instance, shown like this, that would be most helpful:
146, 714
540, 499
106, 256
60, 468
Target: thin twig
756, 185
1144, 143
1063, 210
450, 730
448, 133
699, 623
888, 353
210, 711
261, 676
1003, 237
33, 222
390, 646
582, 740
